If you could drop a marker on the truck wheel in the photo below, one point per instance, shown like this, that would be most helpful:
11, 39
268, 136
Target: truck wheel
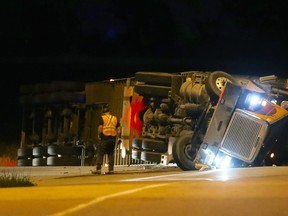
39, 162
154, 145
215, 84
136, 154
24, 162
64, 150
183, 152
24, 153
155, 78
152, 90
137, 143
151, 156
54, 150
40, 151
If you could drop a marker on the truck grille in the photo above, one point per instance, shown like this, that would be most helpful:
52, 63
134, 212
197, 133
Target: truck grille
244, 136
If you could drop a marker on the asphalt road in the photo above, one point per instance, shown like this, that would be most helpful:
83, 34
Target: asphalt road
151, 191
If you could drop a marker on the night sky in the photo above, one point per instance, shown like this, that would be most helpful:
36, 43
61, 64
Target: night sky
90, 40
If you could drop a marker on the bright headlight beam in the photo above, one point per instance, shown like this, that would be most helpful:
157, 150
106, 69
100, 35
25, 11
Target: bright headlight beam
254, 100
225, 162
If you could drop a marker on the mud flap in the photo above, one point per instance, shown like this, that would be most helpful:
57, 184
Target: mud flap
126, 119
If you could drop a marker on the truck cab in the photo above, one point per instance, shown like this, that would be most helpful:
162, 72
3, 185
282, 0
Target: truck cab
244, 128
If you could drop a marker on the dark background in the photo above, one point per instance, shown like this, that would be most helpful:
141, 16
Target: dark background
86, 40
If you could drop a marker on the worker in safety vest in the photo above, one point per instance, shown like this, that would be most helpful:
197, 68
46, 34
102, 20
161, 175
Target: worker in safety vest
108, 131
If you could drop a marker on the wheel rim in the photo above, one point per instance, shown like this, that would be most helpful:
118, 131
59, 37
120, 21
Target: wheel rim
189, 152
221, 82
184, 152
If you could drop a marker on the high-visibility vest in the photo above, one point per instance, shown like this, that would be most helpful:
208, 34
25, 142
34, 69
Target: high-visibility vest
109, 125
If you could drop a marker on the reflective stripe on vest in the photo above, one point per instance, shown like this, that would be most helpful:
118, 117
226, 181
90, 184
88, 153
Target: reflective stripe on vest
109, 125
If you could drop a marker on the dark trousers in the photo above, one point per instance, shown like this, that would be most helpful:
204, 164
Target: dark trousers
106, 146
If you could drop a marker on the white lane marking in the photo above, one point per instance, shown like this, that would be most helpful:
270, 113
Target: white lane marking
172, 178
184, 176
100, 199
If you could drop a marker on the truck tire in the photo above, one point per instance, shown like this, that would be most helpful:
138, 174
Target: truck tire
136, 155
152, 90
64, 150
154, 78
24, 162
24, 153
215, 83
54, 150
154, 145
137, 143
40, 151
39, 162
151, 157
183, 154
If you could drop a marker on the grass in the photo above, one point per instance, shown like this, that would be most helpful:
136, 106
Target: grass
8, 158
11, 179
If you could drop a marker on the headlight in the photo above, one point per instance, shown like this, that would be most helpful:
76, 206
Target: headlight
223, 161
255, 101
260, 104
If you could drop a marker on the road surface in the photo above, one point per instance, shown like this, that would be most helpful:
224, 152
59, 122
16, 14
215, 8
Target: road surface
145, 192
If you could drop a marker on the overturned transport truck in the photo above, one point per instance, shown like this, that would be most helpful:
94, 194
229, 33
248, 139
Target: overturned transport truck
194, 119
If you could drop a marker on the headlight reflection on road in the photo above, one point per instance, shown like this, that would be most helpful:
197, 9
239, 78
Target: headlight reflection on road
224, 165
225, 174
223, 161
